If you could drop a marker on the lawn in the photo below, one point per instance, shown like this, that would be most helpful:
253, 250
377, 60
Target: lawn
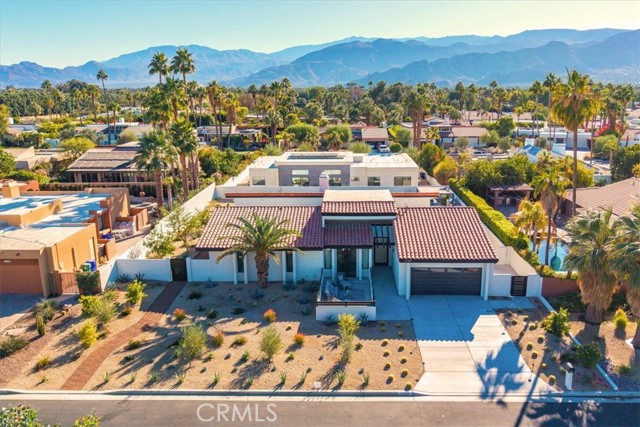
386, 356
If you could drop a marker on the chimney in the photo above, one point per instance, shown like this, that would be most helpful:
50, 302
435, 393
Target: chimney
324, 182
10, 190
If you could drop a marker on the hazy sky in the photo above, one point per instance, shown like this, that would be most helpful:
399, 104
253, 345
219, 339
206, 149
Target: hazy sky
69, 32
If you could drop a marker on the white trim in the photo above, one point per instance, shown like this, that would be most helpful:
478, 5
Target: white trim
235, 269
359, 263
246, 270
283, 263
294, 260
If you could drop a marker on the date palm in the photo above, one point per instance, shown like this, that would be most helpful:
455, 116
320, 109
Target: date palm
549, 186
263, 236
572, 105
416, 103
215, 93
102, 76
183, 138
590, 253
531, 219
183, 63
155, 155
231, 105
626, 259
159, 65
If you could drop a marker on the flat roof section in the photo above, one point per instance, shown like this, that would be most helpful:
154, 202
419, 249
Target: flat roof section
36, 237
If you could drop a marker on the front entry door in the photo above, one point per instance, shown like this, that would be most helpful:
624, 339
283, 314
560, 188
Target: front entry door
347, 261
381, 251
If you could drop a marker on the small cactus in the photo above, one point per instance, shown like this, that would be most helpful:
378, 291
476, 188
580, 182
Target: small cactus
40, 326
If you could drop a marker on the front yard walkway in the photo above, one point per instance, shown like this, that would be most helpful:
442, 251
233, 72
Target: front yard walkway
466, 350
389, 305
81, 376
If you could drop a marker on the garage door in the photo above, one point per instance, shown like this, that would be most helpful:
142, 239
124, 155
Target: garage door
446, 281
20, 277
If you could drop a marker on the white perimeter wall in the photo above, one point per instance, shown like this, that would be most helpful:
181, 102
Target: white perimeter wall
153, 269
322, 311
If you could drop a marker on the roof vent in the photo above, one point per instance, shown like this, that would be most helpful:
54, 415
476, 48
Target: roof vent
358, 158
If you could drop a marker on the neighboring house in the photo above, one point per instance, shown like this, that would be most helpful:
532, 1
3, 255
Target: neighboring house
431, 250
450, 134
630, 137
620, 197
245, 136
28, 157
342, 169
109, 165
559, 135
533, 153
115, 129
372, 135
46, 234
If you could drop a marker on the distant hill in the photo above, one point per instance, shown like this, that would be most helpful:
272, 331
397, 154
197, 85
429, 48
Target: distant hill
616, 58
606, 53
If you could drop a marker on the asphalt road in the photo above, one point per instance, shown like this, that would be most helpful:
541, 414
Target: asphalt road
204, 411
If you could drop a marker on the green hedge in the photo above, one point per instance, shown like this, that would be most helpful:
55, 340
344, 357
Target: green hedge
495, 220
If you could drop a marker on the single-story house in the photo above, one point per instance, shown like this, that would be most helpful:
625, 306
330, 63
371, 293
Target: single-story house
620, 197
431, 250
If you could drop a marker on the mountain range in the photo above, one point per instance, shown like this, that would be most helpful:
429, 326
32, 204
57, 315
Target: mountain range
606, 54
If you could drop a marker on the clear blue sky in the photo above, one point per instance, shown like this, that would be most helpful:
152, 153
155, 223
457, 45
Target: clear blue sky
69, 32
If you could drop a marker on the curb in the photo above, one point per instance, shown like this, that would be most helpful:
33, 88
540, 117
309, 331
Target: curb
321, 393
607, 378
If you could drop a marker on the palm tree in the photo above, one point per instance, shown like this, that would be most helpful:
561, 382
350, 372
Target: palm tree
154, 156
176, 95
285, 139
551, 83
159, 65
531, 219
183, 63
102, 75
549, 186
626, 259
273, 120
590, 253
263, 236
215, 94
416, 103
183, 139
231, 104
536, 91
572, 105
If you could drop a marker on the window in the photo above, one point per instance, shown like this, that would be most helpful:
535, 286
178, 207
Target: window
289, 261
240, 259
335, 177
327, 259
402, 181
299, 172
374, 181
365, 258
300, 181
258, 181
100, 222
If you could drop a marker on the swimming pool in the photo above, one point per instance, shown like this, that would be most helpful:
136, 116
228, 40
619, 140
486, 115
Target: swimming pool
557, 254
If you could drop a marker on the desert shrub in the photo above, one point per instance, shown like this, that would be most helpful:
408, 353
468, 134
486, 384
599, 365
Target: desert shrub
552, 379
572, 301
306, 310
194, 295
403, 360
390, 378
385, 342
347, 328
88, 333
534, 354
40, 326
557, 323
401, 348
88, 281
365, 379
133, 344
620, 319
135, 292
358, 346
238, 310
42, 363
123, 278
589, 355
385, 353
46, 309
125, 311
269, 316
239, 341
179, 315
217, 340
540, 339
11, 344
404, 373
298, 339
88, 303
215, 380
192, 343
529, 346
104, 310
625, 370
270, 342
408, 387
212, 314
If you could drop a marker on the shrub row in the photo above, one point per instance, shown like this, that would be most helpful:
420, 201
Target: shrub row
496, 221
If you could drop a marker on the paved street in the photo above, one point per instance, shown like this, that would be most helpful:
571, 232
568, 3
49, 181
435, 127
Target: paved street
397, 412
465, 348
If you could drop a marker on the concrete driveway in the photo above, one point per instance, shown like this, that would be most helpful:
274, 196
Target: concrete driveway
466, 350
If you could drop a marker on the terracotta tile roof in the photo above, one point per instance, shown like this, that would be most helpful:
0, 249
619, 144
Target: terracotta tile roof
619, 196
442, 234
359, 208
305, 219
347, 234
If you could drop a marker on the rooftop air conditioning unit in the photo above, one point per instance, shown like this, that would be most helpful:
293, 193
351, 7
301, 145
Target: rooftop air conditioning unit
358, 159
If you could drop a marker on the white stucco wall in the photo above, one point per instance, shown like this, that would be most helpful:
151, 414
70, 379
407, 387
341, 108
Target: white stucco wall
309, 265
153, 269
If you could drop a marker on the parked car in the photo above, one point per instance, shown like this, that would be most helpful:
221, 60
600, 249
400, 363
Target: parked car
383, 148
